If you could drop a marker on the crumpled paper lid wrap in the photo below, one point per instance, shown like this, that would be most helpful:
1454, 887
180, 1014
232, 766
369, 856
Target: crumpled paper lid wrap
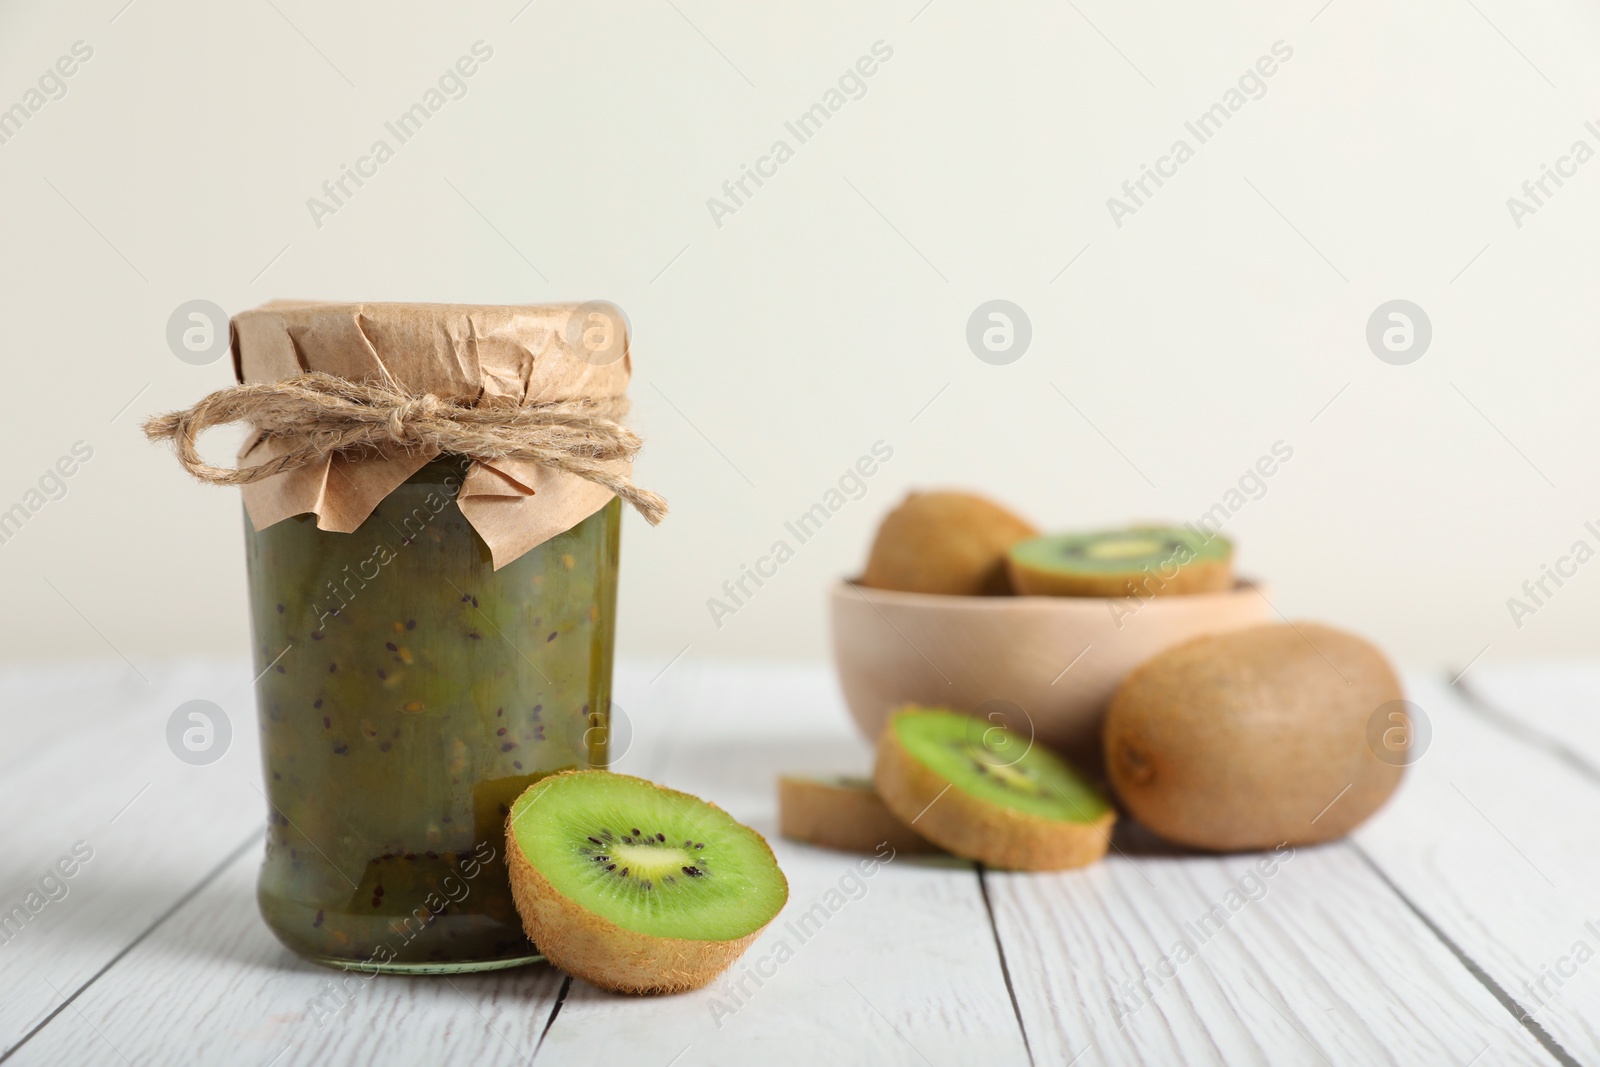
455, 351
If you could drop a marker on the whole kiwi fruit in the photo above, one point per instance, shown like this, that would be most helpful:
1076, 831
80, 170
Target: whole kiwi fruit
945, 542
1253, 738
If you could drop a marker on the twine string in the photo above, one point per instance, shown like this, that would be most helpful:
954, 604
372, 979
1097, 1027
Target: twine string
317, 414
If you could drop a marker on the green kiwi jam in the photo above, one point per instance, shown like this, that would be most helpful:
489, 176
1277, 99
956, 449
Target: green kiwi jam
408, 693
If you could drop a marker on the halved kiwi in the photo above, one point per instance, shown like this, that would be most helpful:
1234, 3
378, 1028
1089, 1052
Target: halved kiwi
844, 812
634, 887
986, 793
1141, 561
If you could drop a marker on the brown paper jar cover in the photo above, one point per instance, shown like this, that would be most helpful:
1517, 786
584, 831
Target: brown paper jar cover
460, 352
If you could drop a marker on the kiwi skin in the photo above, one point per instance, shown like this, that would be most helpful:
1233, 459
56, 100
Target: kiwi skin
949, 543
1209, 576
839, 815
976, 829
593, 948
1240, 740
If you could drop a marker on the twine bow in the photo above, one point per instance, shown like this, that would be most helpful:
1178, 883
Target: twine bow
319, 413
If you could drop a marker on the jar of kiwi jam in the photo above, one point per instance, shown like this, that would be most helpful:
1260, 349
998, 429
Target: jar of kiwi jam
408, 693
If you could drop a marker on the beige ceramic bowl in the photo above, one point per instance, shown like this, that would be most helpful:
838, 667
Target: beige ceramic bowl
1058, 659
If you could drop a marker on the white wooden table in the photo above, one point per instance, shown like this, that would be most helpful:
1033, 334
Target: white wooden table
1460, 926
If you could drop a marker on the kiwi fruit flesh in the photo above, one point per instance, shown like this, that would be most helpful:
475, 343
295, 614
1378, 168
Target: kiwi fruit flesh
843, 812
1140, 561
988, 794
945, 542
1249, 739
637, 888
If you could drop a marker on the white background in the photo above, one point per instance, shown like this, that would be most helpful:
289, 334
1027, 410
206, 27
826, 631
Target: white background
772, 351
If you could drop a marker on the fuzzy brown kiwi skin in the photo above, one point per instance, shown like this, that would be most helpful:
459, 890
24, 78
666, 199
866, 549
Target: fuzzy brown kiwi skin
1248, 740
979, 830
842, 817
947, 543
594, 948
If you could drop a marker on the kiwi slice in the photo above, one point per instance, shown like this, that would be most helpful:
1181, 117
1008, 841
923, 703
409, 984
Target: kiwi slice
945, 542
844, 812
1141, 561
986, 793
634, 887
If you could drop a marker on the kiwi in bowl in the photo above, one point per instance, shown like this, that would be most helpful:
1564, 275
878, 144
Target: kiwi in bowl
928, 621
1058, 658
1140, 561
949, 543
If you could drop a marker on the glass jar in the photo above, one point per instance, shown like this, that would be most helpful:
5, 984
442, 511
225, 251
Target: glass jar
408, 693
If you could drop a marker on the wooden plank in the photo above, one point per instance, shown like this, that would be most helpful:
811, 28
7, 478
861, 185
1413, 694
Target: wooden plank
52, 705
1320, 960
903, 968
97, 776
1325, 961
211, 984
1155, 958
1497, 841
1556, 704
